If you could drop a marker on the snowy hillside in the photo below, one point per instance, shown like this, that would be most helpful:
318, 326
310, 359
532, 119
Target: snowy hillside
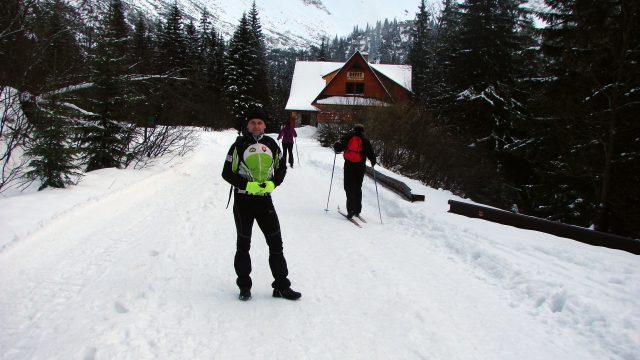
291, 22
286, 23
139, 265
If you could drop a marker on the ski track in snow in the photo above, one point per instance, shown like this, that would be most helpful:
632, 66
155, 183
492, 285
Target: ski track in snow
146, 271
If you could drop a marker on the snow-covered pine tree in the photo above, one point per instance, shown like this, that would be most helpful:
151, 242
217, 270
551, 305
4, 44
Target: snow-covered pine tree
52, 158
105, 140
57, 59
445, 47
239, 73
322, 52
141, 47
16, 44
171, 54
593, 99
421, 54
337, 50
216, 62
391, 50
386, 44
205, 44
245, 83
482, 101
193, 62
50, 149
211, 74
261, 90
281, 65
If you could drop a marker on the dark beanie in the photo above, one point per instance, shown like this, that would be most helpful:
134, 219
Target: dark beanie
255, 112
359, 128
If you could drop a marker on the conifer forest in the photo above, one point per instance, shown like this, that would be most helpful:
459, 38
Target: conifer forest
539, 120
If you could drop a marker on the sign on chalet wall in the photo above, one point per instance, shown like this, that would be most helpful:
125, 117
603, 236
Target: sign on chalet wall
355, 75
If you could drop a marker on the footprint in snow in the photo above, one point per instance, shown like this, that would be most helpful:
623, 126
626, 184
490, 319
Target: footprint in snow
90, 353
121, 309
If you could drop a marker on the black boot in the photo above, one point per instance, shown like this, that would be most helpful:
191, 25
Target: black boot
286, 293
245, 294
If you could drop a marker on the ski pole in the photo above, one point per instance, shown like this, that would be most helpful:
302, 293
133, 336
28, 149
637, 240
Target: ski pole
331, 183
377, 197
298, 155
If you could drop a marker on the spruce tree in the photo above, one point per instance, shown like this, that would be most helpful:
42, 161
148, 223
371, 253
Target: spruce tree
445, 49
322, 53
53, 157
281, 66
421, 57
484, 70
395, 40
240, 70
141, 47
58, 59
594, 52
106, 139
193, 63
261, 89
211, 73
172, 47
246, 82
216, 61
16, 44
478, 49
338, 50
385, 51
205, 43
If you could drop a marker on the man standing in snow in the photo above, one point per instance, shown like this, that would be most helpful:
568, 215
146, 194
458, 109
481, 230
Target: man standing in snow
287, 134
254, 167
357, 149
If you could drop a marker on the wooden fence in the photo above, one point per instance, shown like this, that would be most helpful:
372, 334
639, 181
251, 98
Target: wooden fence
394, 185
577, 233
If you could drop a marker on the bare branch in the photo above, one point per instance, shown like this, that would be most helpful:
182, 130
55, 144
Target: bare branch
14, 129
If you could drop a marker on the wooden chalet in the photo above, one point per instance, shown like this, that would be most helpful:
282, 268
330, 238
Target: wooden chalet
325, 92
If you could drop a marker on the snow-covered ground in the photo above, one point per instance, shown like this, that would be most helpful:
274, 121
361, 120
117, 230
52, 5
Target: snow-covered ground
139, 265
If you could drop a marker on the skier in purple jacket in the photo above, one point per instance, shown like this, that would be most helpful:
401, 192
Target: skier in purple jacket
287, 134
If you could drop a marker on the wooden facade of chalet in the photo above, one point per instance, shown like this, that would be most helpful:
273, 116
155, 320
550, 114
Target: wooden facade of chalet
323, 92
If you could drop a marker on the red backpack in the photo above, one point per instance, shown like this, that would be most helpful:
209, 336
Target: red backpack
353, 152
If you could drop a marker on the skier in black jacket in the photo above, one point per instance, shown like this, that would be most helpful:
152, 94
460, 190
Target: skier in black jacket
254, 167
357, 149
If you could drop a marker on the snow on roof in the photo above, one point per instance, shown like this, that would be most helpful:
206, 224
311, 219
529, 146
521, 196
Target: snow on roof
307, 81
401, 74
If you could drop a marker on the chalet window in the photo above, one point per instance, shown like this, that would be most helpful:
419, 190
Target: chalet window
355, 88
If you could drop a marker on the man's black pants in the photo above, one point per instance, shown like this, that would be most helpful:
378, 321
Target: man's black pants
287, 148
246, 209
353, 177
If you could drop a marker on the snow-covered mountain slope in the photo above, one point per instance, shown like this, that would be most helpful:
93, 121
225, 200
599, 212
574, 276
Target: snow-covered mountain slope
296, 23
139, 265
292, 22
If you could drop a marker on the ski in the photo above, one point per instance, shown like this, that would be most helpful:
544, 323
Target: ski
353, 221
361, 219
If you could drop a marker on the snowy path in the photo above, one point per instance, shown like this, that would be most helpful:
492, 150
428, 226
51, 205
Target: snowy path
146, 271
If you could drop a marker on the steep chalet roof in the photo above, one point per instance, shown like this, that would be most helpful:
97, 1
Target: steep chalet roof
308, 82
